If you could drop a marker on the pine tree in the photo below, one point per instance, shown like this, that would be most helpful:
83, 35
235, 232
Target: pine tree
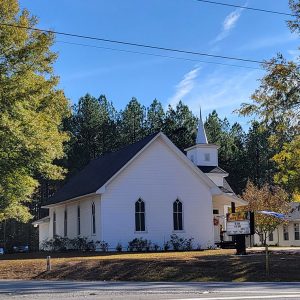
155, 117
133, 122
84, 126
180, 126
109, 130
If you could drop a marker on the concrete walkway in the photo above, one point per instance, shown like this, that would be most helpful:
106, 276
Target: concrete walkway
276, 249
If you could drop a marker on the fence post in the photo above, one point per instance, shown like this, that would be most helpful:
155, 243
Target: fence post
48, 263
267, 262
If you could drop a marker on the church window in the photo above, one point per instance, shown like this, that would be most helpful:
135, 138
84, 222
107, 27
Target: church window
296, 231
271, 237
285, 233
65, 222
206, 156
177, 215
93, 218
78, 220
54, 223
139, 215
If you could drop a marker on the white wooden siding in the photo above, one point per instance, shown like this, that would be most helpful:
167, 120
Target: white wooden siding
159, 177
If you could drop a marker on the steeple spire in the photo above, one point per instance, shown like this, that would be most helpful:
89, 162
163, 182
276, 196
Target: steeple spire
201, 135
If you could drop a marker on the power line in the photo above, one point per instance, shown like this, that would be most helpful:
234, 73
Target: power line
159, 55
249, 8
135, 44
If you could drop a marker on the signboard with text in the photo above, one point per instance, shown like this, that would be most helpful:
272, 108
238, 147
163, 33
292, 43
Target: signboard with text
240, 223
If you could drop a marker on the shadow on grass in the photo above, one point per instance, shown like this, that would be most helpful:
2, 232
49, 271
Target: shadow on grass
202, 268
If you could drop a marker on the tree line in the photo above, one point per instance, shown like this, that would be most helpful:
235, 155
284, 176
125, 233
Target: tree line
44, 141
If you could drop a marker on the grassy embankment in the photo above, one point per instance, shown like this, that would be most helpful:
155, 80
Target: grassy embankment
210, 265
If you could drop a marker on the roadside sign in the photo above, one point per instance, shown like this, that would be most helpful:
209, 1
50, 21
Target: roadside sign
240, 223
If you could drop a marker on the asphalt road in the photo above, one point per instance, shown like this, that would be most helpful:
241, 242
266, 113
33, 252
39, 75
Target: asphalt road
70, 290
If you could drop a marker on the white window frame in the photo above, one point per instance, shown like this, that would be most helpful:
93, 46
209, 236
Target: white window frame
78, 220
206, 156
296, 231
182, 229
93, 218
139, 214
54, 224
65, 222
271, 236
286, 233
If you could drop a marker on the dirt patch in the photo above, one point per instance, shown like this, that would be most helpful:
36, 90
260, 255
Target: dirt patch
214, 265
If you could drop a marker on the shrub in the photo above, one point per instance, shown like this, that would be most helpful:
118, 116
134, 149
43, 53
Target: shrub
57, 244
61, 244
167, 246
139, 244
155, 247
119, 247
102, 245
81, 244
179, 243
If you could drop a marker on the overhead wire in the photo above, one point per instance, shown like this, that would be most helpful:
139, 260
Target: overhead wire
158, 55
148, 46
247, 7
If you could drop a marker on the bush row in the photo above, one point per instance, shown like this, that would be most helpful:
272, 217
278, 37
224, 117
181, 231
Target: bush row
61, 244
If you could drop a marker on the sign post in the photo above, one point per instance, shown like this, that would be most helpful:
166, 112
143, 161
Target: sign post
240, 224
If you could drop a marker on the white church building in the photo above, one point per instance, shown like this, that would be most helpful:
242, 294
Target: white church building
149, 189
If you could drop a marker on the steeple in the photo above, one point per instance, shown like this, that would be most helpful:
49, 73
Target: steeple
202, 153
201, 135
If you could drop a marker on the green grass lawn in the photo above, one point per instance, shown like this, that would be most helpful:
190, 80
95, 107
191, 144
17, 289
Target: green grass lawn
210, 265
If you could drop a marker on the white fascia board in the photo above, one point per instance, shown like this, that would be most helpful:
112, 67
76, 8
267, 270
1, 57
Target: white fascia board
202, 146
231, 198
40, 221
68, 201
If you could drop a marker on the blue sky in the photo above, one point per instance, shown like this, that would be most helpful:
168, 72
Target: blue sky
182, 24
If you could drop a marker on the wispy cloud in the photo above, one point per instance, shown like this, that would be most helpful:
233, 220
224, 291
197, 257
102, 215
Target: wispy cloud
185, 86
294, 54
217, 90
228, 24
269, 41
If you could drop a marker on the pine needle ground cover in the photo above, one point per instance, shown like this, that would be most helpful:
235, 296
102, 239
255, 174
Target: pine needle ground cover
213, 265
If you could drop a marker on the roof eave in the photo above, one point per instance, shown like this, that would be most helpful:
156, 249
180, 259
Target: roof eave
69, 200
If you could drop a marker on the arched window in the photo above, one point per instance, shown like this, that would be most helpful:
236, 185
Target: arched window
93, 218
139, 215
177, 215
78, 220
65, 222
54, 224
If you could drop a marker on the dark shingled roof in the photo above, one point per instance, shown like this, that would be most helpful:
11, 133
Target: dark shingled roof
212, 169
226, 188
98, 172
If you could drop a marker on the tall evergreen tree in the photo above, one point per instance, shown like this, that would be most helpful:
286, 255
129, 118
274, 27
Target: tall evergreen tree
133, 122
259, 155
180, 126
84, 126
155, 117
109, 130
231, 140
